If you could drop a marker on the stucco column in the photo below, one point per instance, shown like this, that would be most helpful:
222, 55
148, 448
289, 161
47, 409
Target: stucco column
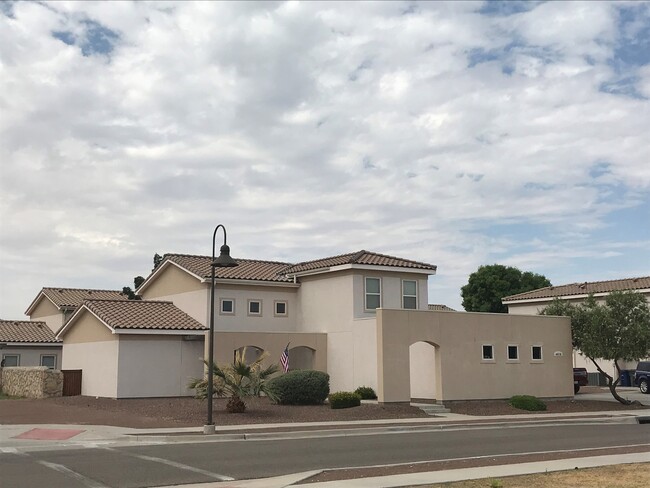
393, 373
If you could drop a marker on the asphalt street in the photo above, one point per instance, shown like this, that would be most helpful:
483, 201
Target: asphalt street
179, 463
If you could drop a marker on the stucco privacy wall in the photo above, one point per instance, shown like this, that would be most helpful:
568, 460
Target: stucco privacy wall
47, 312
226, 343
36, 382
158, 365
461, 373
91, 347
30, 355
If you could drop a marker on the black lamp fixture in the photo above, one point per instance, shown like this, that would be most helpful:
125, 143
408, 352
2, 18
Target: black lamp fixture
223, 261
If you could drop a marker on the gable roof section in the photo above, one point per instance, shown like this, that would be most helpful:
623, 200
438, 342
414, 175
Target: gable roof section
572, 289
248, 269
71, 298
360, 257
27, 332
136, 315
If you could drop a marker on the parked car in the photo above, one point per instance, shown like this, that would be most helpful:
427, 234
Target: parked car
579, 378
642, 376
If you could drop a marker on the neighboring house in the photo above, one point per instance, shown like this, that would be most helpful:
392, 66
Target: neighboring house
28, 343
133, 348
533, 302
55, 306
440, 308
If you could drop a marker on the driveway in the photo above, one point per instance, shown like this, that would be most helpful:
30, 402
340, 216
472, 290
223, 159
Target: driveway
603, 394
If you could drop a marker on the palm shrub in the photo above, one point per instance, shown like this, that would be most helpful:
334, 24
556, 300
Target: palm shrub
237, 381
366, 393
344, 399
527, 402
300, 387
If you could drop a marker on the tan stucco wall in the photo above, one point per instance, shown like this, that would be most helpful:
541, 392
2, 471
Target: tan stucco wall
225, 343
170, 281
326, 302
87, 328
461, 372
98, 362
157, 366
47, 312
31, 355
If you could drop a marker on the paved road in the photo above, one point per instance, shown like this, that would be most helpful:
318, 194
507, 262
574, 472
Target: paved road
177, 463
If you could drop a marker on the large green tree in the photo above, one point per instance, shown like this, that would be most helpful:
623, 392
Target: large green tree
618, 330
489, 284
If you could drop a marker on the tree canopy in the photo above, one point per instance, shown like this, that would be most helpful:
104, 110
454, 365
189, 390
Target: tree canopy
489, 284
617, 330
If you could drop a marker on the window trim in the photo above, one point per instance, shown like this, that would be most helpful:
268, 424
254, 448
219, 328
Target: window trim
365, 293
508, 358
48, 356
254, 300
541, 353
221, 310
410, 296
17, 356
275, 308
483, 358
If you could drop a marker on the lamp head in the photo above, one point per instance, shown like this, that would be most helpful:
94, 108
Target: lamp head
224, 260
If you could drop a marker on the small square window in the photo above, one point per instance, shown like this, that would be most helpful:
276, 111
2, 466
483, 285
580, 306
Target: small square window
281, 308
513, 353
48, 360
227, 306
9, 360
536, 353
254, 307
488, 352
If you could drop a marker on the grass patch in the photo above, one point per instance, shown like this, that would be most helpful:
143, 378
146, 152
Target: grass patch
527, 402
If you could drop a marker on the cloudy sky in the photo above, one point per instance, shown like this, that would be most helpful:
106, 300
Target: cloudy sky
457, 134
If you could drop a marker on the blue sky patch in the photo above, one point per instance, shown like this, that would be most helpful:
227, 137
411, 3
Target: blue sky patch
99, 39
66, 37
503, 8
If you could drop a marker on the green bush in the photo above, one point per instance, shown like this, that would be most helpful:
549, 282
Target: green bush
300, 387
344, 399
366, 393
527, 402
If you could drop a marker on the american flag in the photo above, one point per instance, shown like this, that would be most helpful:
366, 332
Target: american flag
284, 359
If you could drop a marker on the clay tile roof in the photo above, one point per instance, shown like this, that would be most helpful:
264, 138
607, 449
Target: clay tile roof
440, 308
26, 331
360, 257
74, 297
583, 289
142, 314
248, 269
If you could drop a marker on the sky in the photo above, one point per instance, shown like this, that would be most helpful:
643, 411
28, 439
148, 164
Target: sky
458, 134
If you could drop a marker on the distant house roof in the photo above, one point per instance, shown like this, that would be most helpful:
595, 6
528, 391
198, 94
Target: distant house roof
71, 298
26, 331
121, 315
586, 288
248, 269
360, 257
440, 308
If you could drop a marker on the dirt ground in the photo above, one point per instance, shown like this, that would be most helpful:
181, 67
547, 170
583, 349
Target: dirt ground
190, 412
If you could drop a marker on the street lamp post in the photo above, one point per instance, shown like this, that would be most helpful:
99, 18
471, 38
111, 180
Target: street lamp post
223, 261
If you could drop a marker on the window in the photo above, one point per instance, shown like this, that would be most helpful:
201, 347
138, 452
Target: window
48, 360
488, 352
513, 353
280, 308
10, 360
536, 353
227, 306
373, 293
410, 294
254, 307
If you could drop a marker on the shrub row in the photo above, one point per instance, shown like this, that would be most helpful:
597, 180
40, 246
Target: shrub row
527, 402
366, 393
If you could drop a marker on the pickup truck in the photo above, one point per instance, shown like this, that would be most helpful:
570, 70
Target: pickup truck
579, 378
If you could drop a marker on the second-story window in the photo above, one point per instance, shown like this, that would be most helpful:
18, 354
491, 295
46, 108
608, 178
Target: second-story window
409, 294
280, 308
227, 306
373, 293
254, 307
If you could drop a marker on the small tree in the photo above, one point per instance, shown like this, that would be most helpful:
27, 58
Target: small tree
489, 284
617, 330
237, 381
157, 259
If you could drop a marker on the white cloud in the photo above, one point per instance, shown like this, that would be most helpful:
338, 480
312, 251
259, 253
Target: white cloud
308, 129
